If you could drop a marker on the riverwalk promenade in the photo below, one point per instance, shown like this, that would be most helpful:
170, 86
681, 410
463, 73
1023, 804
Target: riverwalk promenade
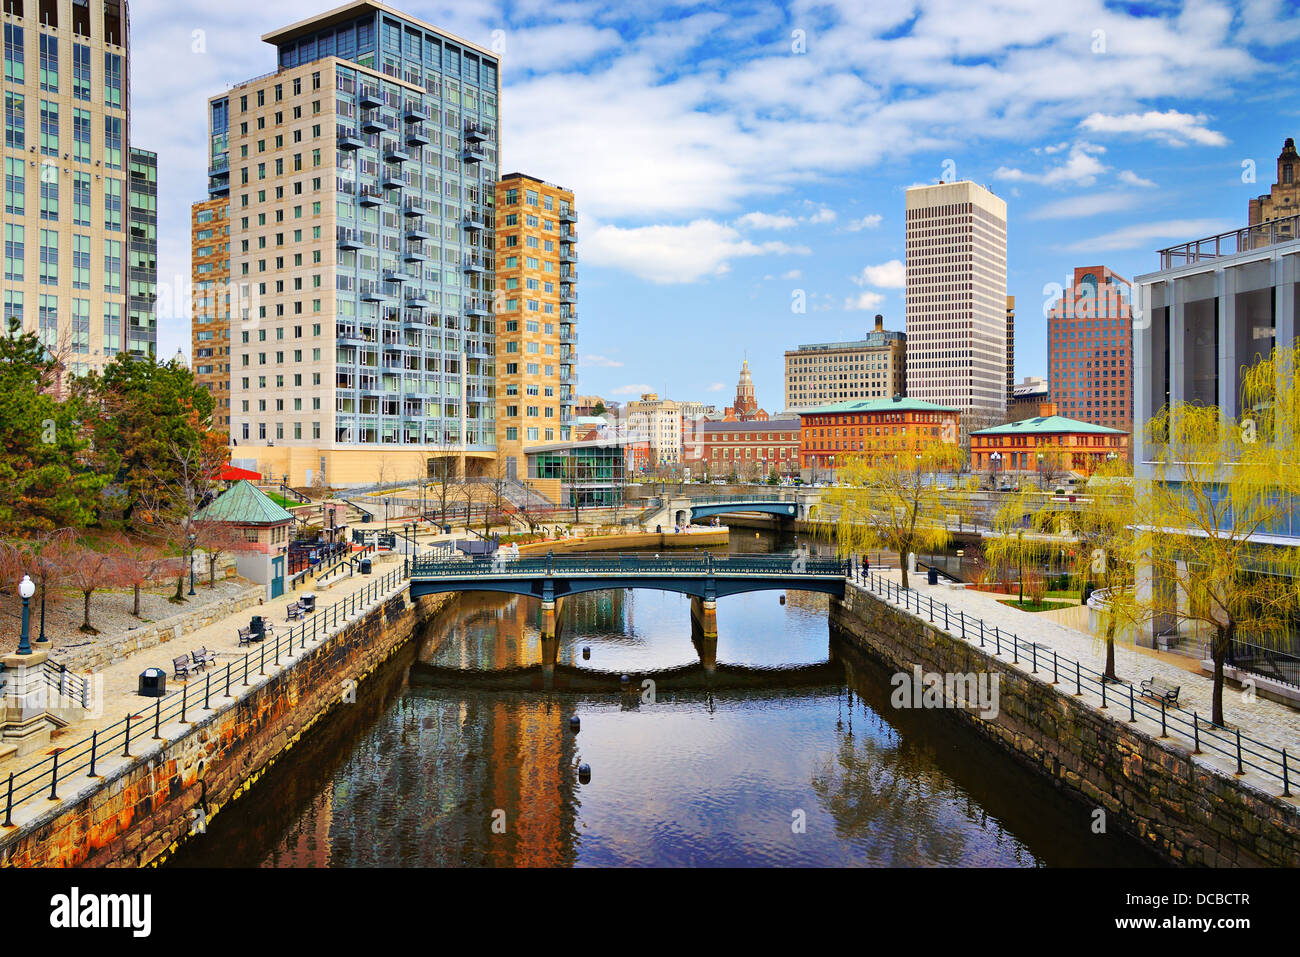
1257, 718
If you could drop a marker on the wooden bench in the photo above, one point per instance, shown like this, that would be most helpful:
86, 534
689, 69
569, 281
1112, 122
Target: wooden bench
182, 667
245, 636
1161, 690
295, 610
202, 658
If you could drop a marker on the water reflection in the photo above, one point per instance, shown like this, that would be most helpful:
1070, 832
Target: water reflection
795, 727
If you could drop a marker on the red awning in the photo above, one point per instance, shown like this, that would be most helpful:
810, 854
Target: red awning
232, 474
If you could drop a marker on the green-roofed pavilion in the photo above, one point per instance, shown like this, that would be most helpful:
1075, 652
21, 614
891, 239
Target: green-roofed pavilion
245, 504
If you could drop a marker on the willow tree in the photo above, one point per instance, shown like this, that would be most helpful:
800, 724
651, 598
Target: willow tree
893, 499
1107, 551
1022, 534
1220, 487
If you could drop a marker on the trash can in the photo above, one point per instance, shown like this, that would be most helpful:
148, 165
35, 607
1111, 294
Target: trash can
308, 603
932, 575
446, 529
153, 683
257, 625
365, 566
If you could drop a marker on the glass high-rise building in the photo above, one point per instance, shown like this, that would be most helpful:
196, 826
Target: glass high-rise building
80, 204
360, 182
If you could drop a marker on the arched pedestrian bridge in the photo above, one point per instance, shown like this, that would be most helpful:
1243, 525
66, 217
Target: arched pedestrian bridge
687, 510
705, 577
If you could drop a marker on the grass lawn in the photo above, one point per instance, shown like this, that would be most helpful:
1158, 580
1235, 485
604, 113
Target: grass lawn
1073, 596
1028, 605
280, 500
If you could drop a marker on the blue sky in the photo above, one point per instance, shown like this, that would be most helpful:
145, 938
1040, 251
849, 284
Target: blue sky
727, 159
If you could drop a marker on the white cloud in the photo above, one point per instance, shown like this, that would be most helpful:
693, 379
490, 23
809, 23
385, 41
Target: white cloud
637, 388
1088, 204
716, 387
889, 275
824, 215
1081, 168
792, 274
1170, 127
870, 221
864, 300
1130, 178
603, 362
676, 254
1167, 233
766, 221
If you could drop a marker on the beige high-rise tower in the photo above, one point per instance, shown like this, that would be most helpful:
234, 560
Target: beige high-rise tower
537, 315
957, 299
80, 206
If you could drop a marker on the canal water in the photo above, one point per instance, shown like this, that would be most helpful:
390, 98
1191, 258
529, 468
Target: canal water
789, 754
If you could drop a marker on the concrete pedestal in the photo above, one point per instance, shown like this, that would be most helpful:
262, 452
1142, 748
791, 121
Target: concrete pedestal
27, 726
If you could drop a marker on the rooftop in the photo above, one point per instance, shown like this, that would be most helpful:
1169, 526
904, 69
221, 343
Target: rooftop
1246, 239
896, 404
351, 10
1048, 425
244, 504
771, 425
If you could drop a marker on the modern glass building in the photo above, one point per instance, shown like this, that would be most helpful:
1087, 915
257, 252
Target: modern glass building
360, 176
142, 265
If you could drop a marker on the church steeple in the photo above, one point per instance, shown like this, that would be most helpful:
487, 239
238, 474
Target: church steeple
746, 405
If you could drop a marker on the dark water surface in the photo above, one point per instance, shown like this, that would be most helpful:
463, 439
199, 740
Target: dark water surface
802, 763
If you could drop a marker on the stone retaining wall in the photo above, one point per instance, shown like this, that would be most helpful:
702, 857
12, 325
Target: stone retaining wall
104, 651
1184, 810
140, 812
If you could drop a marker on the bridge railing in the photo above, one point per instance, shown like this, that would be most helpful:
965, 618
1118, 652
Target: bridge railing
755, 499
628, 564
1202, 735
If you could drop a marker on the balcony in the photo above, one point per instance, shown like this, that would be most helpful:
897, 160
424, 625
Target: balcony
1231, 243
473, 221
472, 153
391, 179
370, 196
415, 253
349, 140
476, 133
393, 153
568, 215
478, 307
370, 98
375, 294
349, 239
415, 233
415, 113
474, 264
568, 294
413, 207
413, 316
418, 299
567, 253
373, 123
417, 137
396, 275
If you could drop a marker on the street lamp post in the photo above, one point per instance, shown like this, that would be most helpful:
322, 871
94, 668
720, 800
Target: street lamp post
26, 589
996, 459
192, 539
1040, 471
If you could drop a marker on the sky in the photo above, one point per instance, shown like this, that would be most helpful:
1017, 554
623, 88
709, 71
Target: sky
739, 168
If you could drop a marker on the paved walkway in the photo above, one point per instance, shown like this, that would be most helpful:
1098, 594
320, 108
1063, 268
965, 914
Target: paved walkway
118, 684
1264, 720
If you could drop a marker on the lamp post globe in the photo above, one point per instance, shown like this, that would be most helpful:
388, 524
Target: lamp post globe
26, 589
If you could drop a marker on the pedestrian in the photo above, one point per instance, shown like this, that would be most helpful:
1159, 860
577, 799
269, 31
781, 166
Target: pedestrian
866, 564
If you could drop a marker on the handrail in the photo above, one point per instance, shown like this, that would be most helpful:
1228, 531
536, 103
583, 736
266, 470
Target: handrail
631, 564
43, 778
1274, 763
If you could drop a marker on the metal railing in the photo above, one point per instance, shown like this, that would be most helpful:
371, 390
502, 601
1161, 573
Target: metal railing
81, 759
1266, 662
705, 564
1203, 735
1232, 242
66, 685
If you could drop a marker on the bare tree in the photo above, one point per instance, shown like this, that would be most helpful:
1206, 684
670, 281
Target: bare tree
139, 563
89, 571
174, 500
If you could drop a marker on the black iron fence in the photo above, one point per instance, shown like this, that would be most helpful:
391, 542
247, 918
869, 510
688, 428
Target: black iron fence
196, 696
1175, 722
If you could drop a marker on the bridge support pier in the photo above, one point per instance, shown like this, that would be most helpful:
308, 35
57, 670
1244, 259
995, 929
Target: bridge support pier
547, 624
704, 631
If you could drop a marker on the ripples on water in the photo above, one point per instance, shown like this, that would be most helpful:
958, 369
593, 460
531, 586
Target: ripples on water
779, 772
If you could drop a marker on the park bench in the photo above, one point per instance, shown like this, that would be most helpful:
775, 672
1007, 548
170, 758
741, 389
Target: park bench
295, 610
245, 636
1161, 690
182, 666
202, 658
